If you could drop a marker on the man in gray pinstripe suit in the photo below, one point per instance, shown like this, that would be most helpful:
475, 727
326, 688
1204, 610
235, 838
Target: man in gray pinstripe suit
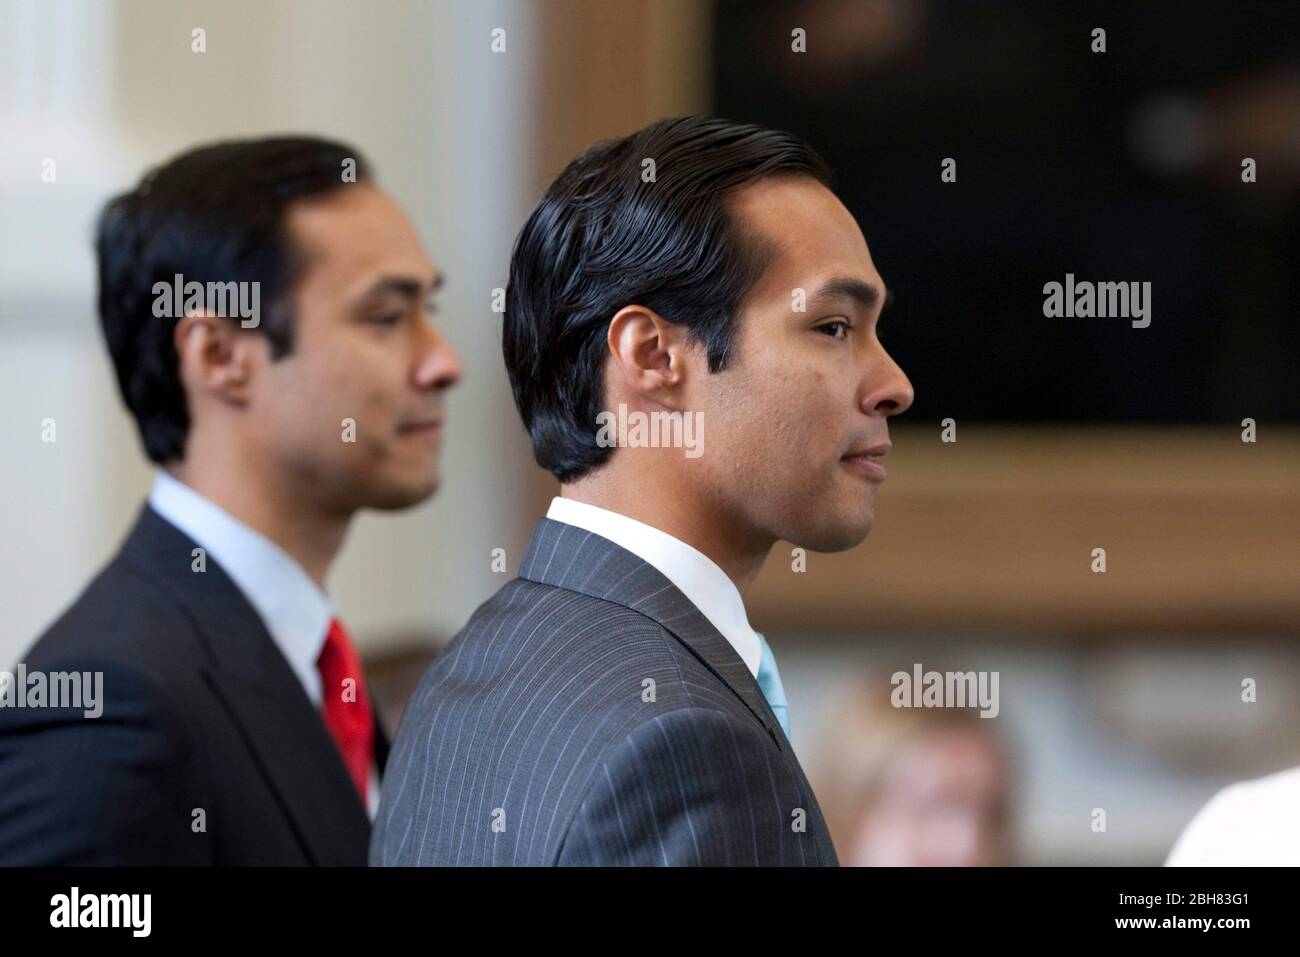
612, 704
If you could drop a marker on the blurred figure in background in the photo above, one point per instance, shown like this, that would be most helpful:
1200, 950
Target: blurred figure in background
237, 728
1249, 824
903, 787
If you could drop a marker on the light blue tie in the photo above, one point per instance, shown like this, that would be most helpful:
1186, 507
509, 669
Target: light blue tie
769, 682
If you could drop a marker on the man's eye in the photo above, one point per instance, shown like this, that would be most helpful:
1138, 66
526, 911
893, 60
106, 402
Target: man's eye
834, 329
388, 319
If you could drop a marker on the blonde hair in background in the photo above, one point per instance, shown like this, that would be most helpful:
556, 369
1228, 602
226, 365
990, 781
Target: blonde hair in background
865, 736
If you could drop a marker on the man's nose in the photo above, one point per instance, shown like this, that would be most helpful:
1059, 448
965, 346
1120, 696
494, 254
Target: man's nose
439, 366
886, 389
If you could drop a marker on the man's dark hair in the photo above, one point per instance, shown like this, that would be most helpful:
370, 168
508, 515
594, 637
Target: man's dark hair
213, 214
603, 237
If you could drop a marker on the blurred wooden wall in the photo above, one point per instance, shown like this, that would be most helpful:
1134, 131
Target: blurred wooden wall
612, 66
996, 532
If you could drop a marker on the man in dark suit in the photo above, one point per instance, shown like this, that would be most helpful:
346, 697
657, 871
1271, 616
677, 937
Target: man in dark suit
264, 304
690, 333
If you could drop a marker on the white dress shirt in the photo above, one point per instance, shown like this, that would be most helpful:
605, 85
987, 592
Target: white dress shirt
1250, 824
696, 576
295, 611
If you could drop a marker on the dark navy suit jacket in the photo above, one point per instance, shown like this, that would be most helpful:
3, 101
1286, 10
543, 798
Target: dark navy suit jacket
202, 713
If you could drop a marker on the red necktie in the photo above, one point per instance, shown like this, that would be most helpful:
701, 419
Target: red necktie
347, 705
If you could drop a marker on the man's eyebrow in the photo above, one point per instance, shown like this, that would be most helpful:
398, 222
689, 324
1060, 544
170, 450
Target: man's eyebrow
865, 294
404, 286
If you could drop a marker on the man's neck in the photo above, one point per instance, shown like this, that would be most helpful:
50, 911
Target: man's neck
308, 535
685, 518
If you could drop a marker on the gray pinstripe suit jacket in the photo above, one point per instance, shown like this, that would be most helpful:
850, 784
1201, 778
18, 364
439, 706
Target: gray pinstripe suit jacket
589, 714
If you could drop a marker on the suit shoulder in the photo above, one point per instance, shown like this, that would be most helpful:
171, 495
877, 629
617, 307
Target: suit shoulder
690, 734
121, 621
597, 649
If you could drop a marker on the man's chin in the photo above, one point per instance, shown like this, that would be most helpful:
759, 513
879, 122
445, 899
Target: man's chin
839, 536
397, 496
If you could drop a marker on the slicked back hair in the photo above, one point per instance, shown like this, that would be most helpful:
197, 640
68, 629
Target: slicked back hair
616, 230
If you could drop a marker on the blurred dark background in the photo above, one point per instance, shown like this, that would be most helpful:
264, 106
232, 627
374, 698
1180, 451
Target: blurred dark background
1115, 166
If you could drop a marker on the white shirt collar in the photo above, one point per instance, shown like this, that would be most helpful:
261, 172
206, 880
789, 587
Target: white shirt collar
695, 574
295, 611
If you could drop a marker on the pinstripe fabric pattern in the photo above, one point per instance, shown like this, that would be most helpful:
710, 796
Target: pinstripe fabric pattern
588, 714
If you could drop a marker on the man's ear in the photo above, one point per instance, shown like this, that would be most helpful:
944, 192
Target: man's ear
649, 352
215, 358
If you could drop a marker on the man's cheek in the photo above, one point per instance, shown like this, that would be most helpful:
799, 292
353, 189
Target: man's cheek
344, 394
381, 417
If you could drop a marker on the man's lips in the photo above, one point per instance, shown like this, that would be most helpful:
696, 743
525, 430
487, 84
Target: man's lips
866, 462
425, 428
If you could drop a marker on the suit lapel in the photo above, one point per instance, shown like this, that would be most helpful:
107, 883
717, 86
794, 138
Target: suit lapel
582, 561
287, 740
567, 557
